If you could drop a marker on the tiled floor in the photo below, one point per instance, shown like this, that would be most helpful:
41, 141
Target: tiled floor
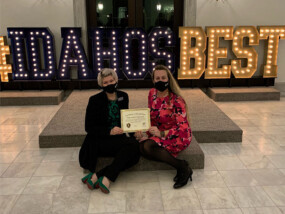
247, 177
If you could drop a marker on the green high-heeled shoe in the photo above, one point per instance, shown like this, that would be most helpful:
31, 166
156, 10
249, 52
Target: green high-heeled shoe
102, 187
85, 178
90, 183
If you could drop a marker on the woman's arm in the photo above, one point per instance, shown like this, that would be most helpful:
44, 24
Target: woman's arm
94, 122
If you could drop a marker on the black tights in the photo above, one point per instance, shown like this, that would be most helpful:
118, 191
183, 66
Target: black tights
151, 150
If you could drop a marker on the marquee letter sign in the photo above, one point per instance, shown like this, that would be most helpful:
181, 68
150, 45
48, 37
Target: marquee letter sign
31, 37
4, 67
215, 52
187, 52
247, 53
273, 33
158, 53
72, 54
133, 54
129, 36
101, 53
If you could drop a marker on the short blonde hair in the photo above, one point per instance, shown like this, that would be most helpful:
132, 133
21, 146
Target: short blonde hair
105, 72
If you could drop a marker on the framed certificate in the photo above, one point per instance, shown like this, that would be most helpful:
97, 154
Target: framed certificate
133, 120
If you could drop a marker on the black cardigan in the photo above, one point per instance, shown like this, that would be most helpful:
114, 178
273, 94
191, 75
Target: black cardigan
96, 119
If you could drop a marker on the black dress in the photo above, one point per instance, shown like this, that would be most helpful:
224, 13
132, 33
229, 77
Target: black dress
99, 142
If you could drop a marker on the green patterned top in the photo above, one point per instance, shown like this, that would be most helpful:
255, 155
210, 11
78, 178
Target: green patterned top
114, 114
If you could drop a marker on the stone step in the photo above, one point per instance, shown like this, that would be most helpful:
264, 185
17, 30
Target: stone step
21, 98
243, 94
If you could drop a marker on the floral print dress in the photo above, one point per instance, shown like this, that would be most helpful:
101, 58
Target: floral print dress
169, 115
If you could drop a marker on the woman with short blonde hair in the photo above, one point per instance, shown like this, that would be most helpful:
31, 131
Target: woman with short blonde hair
105, 136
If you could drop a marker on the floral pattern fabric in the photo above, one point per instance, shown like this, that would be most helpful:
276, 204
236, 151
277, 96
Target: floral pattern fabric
113, 116
169, 113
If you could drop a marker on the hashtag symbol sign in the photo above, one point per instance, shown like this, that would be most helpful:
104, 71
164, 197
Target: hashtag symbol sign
4, 67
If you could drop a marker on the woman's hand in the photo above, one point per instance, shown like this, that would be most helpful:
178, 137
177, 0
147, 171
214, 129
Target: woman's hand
138, 135
116, 131
154, 131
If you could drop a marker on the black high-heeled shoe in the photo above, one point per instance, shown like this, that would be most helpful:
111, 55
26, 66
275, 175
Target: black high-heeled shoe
178, 174
184, 178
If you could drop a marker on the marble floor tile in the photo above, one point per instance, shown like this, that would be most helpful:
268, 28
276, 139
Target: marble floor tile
253, 131
228, 162
282, 170
139, 176
59, 154
73, 184
20, 137
33, 204
216, 198
267, 177
4, 137
276, 193
32, 145
115, 202
271, 149
12, 147
73, 168
219, 149
31, 156
277, 160
13, 186
256, 162
209, 164
238, 178
71, 203
223, 211
166, 179
260, 139
144, 200
183, 199
251, 196
7, 128
130, 186
273, 129
17, 170
43, 185
261, 210
279, 139
51, 169
7, 202
182, 212
8, 157
3, 167
207, 179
